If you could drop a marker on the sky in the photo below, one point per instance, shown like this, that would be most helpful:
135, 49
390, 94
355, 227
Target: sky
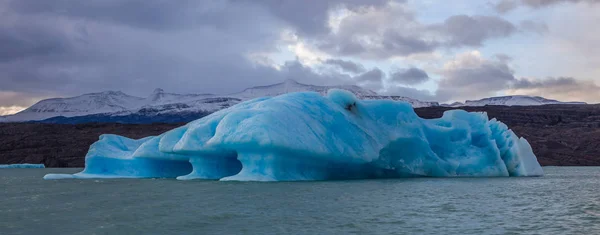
433, 50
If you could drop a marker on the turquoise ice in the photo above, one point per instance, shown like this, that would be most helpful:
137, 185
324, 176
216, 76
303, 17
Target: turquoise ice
23, 165
306, 136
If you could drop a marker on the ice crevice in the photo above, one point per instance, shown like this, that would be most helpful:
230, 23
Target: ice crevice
306, 136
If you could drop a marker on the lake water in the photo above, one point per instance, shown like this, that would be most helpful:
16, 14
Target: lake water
565, 201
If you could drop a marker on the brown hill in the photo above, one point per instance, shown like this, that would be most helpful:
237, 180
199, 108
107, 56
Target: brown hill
561, 135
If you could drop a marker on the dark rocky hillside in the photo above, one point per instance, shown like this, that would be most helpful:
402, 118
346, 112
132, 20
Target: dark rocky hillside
62, 145
565, 135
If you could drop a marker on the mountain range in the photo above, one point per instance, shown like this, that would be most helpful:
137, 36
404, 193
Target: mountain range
513, 100
161, 106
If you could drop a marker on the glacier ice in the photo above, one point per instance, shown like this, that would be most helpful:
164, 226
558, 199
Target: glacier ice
307, 136
23, 165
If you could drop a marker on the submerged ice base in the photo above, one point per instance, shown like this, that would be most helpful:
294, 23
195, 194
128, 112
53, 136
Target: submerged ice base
306, 136
22, 165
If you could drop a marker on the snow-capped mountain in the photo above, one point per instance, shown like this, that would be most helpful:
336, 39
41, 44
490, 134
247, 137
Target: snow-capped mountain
513, 100
289, 86
159, 97
414, 102
93, 103
117, 103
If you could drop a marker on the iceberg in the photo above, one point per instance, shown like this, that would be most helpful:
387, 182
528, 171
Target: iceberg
23, 165
307, 136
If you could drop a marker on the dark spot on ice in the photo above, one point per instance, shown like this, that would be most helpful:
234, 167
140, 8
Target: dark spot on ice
351, 107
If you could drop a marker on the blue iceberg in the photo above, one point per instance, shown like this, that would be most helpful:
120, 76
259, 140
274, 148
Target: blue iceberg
22, 165
306, 136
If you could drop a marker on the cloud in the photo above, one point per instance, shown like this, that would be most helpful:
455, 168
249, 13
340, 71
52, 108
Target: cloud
17, 99
470, 76
463, 30
18, 41
297, 71
394, 31
503, 57
346, 65
72, 47
533, 26
377, 33
311, 19
148, 14
504, 6
10, 110
373, 75
411, 76
561, 88
68, 47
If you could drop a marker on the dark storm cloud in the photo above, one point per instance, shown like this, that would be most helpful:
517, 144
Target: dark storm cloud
411, 76
68, 47
151, 14
71, 47
22, 40
504, 6
346, 65
307, 17
310, 17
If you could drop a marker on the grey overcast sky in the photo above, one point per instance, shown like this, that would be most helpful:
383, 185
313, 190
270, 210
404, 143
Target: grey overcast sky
426, 49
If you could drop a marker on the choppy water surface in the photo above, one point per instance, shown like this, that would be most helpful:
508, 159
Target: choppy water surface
565, 201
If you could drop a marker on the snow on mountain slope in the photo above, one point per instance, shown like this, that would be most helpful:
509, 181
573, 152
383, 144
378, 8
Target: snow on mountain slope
119, 103
161, 102
93, 103
414, 102
289, 86
455, 104
514, 100
116, 103
209, 104
159, 97
109, 101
